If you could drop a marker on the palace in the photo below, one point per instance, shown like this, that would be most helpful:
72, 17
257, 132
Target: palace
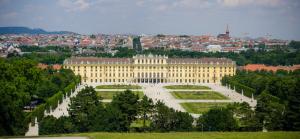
151, 69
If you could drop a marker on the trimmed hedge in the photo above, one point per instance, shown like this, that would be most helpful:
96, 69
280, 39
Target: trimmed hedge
238, 87
52, 102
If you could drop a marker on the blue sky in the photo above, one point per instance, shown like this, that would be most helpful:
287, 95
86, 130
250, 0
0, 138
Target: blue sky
255, 18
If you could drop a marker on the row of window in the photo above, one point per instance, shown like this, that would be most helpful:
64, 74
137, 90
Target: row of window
143, 67
177, 80
152, 75
150, 61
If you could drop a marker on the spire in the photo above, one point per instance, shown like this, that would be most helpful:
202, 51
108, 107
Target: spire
227, 29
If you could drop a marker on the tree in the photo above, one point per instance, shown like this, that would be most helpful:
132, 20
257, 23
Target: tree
127, 103
84, 110
217, 119
51, 125
270, 111
293, 112
137, 44
244, 116
146, 107
18, 81
167, 119
115, 119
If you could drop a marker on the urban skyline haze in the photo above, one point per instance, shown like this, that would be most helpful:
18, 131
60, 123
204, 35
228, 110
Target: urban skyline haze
254, 18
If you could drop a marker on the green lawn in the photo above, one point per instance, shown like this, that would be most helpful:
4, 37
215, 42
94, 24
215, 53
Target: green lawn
201, 107
110, 94
188, 87
211, 95
118, 87
192, 135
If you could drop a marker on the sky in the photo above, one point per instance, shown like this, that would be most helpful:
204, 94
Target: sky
254, 18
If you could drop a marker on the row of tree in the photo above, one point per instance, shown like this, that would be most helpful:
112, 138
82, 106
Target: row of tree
23, 84
278, 97
278, 56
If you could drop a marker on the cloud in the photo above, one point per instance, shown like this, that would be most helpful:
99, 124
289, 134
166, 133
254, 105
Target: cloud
74, 5
235, 3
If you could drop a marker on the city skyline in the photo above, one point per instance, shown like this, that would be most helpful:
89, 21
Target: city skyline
253, 18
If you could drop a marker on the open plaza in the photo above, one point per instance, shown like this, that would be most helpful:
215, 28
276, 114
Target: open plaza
192, 98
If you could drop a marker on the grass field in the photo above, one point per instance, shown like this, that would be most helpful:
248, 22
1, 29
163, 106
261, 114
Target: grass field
200, 107
192, 135
188, 87
110, 94
118, 87
207, 95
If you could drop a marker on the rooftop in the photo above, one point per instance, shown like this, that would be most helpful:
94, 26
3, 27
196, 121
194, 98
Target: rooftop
101, 60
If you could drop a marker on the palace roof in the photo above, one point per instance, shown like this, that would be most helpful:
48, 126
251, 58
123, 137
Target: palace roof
101, 60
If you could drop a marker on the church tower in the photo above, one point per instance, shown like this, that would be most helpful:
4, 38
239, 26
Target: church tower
227, 31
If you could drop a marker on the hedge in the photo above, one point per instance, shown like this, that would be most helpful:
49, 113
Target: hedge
52, 102
238, 87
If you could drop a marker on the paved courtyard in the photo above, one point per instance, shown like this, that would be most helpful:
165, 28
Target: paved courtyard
158, 93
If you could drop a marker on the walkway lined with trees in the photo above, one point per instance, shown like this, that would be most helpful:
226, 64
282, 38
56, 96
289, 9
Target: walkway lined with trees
59, 111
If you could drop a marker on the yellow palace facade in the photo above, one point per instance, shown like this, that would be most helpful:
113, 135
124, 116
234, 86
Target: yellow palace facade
150, 69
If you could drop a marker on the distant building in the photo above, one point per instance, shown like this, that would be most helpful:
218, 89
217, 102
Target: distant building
214, 48
224, 36
258, 67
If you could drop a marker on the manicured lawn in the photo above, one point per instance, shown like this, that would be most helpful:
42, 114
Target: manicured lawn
110, 94
118, 87
188, 87
212, 95
192, 135
201, 107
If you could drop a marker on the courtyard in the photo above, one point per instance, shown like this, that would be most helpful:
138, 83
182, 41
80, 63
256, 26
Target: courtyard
192, 98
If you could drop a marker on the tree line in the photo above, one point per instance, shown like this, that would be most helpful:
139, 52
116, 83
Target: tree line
275, 57
278, 97
278, 56
23, 84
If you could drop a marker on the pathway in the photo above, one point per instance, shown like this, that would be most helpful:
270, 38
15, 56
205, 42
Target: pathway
117, 89
233, 95
158, 92
60, 110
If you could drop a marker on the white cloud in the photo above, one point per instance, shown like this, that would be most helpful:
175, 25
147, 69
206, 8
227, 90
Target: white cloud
74, 5
235, 3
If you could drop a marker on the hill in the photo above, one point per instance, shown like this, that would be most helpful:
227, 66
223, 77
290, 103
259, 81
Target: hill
26, 30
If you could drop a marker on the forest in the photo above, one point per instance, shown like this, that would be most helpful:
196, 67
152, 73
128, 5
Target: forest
277, 94
23, 84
